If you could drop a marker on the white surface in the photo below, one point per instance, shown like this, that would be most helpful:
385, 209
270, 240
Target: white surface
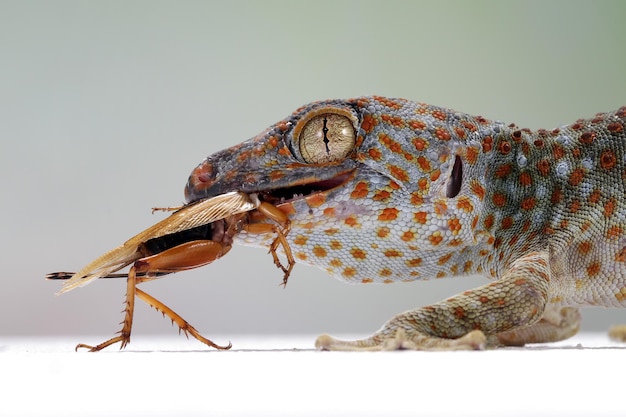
283, 376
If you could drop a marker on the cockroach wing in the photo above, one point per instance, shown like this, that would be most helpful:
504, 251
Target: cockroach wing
195, 214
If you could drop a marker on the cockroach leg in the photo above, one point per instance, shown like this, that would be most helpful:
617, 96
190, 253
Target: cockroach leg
281, 229
124, 334
182, 324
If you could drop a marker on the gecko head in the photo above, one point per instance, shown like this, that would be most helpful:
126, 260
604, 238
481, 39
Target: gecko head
310, 153
369, 161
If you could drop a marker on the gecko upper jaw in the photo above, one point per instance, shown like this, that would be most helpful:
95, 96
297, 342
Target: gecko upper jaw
301, 190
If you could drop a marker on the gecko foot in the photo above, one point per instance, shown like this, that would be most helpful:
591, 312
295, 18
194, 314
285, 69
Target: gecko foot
474, 340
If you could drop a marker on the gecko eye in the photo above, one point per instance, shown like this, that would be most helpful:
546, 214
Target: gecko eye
456, 178
326, 138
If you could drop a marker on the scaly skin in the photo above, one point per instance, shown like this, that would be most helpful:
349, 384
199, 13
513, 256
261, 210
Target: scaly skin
426, 192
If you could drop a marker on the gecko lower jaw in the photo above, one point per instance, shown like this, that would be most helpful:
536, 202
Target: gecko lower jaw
296, 192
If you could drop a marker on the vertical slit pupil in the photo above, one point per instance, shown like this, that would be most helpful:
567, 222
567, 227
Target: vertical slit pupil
325, 130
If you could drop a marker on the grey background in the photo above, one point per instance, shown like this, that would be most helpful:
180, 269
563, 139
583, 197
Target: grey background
106, 107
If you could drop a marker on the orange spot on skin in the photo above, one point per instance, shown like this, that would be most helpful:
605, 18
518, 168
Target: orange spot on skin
399, 173
608, 159
375, 154
502, 171
528, 203
329, 212
423, 163
595, 196
439, 114
478, 189
351, 221
557, 196
331, 232
388, 102
335, 244
577, 176
557, 152
435, 239
369, 123
385, 272
584, 247
423, 184
459, 313
357, 253
468, 125
383, 232
300, 240
349, 272
284, 152
543, 167
615, 127
499, 199
420, 144
408, 236
417, 125
593, 269
442, 133
467, 266
489, 221
388, 214
319, 251
335, 263
392, 253
609, 208
525, 179
315, 200
587, 137
454, 225
417, 199
444, 259
413, 263
382, 195
302, 256
392, 120
621, 256
614, 232
360, 190
391, 144
276, 175
420, 217
465, 204
367, 281
507, 222
575, 206
504, 147
435, 175
471, 155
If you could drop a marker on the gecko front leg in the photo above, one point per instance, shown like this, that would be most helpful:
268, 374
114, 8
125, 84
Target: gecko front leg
471, 320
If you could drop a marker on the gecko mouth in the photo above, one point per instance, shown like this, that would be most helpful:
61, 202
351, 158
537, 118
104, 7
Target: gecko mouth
299, 191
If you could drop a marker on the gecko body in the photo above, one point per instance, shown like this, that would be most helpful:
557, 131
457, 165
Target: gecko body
385, 190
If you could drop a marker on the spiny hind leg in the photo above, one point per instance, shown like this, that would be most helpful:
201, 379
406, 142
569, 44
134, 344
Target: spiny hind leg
182, 324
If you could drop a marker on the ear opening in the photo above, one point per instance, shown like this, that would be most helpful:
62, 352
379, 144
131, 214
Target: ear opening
456, 178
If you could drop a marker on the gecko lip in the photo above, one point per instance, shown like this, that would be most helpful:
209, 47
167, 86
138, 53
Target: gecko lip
302, 190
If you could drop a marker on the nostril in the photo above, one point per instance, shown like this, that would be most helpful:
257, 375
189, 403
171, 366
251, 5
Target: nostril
201, 178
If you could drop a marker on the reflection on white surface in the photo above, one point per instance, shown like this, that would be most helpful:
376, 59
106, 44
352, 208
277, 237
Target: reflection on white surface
284, 376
